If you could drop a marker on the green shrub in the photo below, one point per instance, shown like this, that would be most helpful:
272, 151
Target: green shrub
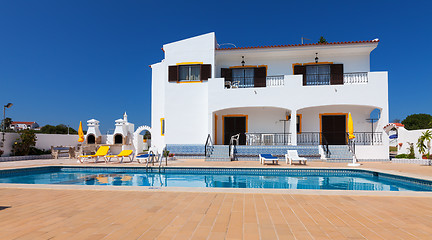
24, 143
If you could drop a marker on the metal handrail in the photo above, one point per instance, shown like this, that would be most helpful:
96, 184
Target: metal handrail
151, 156
231, 147
325, 146
207, 146
351, 144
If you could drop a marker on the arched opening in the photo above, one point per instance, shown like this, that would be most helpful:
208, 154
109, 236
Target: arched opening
118, 139
91, 139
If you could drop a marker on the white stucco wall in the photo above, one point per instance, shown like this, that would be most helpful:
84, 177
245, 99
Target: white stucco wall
182, 105
409, 136
43, 141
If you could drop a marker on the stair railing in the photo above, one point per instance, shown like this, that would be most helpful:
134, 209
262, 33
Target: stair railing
233, 142
208, 146
325, 145
351, 144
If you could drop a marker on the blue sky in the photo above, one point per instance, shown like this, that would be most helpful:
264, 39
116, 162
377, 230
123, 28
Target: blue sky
69, 61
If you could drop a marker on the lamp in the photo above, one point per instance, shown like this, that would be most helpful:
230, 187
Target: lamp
4, 120
243, 61
316, 57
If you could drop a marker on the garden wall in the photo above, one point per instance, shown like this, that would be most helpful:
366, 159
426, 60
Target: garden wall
43, 141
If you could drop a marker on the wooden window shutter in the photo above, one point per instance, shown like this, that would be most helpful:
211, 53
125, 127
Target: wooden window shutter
260, 75
226, 73
173, 74
300, 70
205, 71
336, 74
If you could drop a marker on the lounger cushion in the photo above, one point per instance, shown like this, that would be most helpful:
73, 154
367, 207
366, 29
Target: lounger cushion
268, 156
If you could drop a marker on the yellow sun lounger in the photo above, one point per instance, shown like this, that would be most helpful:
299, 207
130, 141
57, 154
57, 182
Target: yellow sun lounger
101, 152
122, 155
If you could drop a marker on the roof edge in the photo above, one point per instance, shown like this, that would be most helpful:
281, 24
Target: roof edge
301, 45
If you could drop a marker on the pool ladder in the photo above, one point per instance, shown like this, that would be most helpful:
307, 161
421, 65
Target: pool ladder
159, 158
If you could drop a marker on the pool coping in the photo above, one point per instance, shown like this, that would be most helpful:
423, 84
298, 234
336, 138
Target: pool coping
224, 190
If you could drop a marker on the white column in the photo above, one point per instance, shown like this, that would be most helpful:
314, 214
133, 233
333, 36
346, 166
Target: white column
293, 127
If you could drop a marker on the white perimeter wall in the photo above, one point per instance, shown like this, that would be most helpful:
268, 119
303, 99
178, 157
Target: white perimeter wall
409, 136
43, 141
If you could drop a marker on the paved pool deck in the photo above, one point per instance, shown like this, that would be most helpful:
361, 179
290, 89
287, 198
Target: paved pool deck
136, 213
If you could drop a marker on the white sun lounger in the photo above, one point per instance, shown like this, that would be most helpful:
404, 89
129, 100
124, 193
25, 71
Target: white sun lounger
293, 156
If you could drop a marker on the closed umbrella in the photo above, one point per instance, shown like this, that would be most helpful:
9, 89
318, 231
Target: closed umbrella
350, 127
80, 133
351, 136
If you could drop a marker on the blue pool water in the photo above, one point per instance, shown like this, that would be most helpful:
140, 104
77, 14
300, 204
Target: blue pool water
337, 179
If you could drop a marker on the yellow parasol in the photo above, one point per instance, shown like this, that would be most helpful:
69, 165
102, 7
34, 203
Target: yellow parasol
80, 133
350, 127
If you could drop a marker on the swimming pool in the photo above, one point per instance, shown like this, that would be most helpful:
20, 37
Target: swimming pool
325, 179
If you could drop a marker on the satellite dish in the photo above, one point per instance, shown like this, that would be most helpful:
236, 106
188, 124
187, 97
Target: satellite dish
375, 115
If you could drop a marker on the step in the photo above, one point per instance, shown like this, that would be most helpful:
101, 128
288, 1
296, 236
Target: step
219, 153
339, 153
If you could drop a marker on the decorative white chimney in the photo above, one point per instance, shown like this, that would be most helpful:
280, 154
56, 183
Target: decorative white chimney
123, 132
93, 133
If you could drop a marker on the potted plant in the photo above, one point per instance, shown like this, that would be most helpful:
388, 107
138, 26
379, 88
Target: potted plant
424, 144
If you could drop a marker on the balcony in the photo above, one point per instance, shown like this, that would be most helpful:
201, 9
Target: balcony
311, 80
249, 82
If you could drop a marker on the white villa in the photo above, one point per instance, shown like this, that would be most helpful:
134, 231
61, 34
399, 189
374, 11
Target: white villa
270, 95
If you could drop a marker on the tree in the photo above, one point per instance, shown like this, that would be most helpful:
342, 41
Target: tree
6, 122
59, 129
24, 143
417, 121
322, 40
424, 141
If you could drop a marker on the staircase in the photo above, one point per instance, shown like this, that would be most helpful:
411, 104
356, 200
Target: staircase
339, 153
219, 153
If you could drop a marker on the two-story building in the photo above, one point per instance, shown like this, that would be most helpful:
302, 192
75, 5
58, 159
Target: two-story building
271, 95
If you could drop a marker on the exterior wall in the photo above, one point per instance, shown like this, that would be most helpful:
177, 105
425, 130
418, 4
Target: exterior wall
182, 105
409, 136
44, 141
372, 152
159, 76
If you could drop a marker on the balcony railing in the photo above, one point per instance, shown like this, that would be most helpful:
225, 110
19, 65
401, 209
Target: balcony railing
272, 81
325, 79
362, 138
268, 139
355, 78
249, 82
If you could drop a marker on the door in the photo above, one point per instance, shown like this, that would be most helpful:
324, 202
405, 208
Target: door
334, 129
233, 126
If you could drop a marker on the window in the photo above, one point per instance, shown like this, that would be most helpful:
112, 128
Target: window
243, 77
190, 73
162, 126
318, 75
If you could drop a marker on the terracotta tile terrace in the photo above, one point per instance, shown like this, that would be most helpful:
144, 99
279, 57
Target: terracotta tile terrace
65, 213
